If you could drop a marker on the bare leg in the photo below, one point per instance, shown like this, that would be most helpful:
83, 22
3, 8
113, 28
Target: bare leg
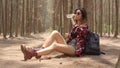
63, 48
60, 45
55, 36
50, 46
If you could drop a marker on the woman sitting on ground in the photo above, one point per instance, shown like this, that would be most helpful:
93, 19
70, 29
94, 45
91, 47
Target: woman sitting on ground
56, 42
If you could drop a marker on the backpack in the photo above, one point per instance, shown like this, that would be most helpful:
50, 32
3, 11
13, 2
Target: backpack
92, 44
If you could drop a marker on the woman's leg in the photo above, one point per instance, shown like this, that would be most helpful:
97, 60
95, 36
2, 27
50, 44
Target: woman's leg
63, 48
55, 36
60, 45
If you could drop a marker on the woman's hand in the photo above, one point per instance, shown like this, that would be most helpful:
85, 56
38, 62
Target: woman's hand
73, 16
67, 35
73, 19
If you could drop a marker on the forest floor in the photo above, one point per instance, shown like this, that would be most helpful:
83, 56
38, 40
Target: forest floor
12, 57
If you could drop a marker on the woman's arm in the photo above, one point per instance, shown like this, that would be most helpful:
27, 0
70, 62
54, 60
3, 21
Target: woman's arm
73, 34
73, 20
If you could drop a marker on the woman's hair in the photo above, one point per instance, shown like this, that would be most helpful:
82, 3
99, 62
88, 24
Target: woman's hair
83, 12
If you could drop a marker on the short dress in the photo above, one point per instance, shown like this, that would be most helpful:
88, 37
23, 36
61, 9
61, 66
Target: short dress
78, 41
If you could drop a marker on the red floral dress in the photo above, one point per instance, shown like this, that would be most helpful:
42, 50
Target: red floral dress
81, 32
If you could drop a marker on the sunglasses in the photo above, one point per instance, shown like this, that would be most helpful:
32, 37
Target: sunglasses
78, 13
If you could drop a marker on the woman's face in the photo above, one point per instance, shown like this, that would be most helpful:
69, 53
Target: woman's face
78, 15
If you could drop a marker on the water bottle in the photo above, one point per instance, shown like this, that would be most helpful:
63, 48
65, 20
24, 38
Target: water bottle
69, 15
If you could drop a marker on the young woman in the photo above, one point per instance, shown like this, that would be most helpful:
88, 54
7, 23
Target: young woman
57, 43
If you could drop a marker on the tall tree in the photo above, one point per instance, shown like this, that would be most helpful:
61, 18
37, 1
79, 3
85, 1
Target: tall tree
39, 26
0, 16
27, 17
23, 18
70, 11
13, 17
89, 12
17, 18
113, 16
60, 17
4, 18
94, 15
54, 13
65, 11
116, 24
35, 15
111, 12
82, 3
100, 17
32, 16
108, 1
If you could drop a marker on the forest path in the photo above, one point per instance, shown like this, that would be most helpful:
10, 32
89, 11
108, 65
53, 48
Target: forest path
12, 57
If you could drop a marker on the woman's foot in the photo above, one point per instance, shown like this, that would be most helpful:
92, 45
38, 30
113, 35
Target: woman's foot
36, 49
28, 52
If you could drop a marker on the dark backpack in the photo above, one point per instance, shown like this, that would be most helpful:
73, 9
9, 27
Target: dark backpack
92, 44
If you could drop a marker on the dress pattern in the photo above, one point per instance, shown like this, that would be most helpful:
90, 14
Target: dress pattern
80, 32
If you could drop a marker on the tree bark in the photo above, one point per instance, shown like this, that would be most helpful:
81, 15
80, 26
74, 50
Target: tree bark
4, 18
23, 18
0, 16
116, 24
17, 18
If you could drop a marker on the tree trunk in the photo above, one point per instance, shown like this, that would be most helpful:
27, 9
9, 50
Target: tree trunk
111, 12
0, 17
116, 24
54, 15
39, 26
87, 4
17, 18
27, 18
65, 11
71, 11
20, 11
100, 18
13, 18
60, 17
4, 18
23, 18
113, 16
94, 15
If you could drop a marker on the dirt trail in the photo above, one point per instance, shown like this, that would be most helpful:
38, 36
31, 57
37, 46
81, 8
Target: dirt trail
12, 57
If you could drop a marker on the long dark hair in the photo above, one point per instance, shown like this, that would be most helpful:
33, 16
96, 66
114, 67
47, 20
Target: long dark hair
83, 12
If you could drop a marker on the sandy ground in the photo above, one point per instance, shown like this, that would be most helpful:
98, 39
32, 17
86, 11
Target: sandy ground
12, 57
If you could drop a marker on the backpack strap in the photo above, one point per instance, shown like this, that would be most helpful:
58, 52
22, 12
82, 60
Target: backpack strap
102, 52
